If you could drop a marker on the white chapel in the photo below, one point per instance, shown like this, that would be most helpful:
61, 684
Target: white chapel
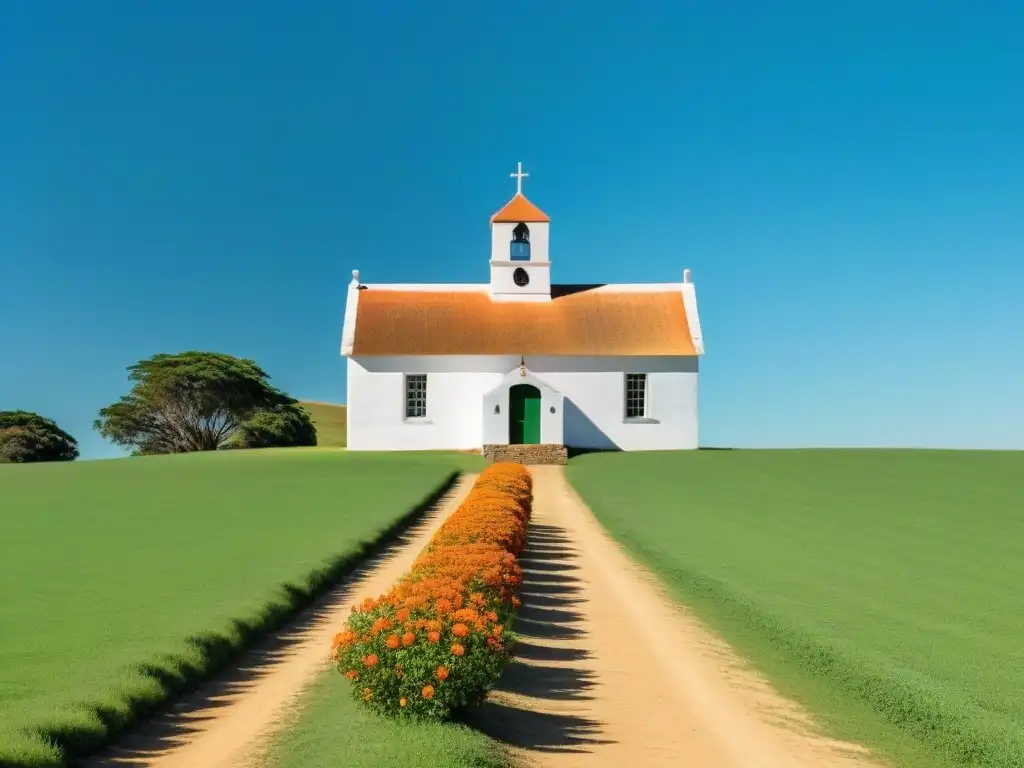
521, 363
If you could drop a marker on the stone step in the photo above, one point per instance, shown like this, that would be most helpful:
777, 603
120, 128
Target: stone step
527, 454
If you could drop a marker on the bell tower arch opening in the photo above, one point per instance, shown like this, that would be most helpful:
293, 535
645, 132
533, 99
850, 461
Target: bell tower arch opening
519, 248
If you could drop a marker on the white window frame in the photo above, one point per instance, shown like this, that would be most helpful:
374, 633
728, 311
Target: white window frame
645, 394
414, 391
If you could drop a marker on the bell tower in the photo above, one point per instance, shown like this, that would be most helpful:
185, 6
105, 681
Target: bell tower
520, 267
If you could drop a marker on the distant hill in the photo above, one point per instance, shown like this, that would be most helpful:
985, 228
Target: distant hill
331, 428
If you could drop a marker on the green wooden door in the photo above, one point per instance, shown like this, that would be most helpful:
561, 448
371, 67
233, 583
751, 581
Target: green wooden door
524, 415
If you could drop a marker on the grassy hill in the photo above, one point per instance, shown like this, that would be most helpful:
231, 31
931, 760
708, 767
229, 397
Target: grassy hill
331, 428
881, 587
110, 567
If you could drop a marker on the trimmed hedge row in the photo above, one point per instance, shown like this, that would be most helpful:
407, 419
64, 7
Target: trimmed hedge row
439, 639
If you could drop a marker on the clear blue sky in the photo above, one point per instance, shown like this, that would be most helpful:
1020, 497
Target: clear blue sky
845, 180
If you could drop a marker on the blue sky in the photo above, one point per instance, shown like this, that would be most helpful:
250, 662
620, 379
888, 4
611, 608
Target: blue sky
845, 180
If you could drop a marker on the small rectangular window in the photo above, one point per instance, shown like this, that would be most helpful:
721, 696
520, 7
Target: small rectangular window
636, 395
415, 395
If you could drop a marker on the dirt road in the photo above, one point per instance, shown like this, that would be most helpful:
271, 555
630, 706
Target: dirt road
611, 673
223, 723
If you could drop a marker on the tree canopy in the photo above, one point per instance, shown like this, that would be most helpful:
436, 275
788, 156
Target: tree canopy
28, 437
202, 401
289, 425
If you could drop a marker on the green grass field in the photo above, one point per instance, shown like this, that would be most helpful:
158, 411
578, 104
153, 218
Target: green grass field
331, 730
111, 565
331, 424
882, 588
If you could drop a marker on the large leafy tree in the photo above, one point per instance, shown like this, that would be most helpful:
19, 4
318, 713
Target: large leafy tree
27, 437
199, 401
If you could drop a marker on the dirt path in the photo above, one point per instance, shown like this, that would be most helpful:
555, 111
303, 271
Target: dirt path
224, 723
611, 673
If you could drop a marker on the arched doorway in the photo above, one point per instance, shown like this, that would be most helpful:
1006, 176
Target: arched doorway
523, 415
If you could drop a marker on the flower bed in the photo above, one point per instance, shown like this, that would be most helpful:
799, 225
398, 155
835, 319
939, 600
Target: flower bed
438, 640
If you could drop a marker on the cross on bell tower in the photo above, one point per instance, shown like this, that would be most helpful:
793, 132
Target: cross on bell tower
519, 176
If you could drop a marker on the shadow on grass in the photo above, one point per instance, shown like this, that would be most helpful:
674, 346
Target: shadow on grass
228, 663
574, 452
546, 669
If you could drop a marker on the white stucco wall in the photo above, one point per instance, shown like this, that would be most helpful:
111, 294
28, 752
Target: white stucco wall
592, 414
503, 286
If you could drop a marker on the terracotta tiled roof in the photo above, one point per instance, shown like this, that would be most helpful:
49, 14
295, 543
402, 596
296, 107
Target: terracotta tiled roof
519, 209
583, 322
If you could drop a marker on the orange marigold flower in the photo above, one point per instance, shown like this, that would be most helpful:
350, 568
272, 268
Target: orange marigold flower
496, 631
428, 691
468, 615
393, 641
433, 636
458, 650
402, 701
460, 630
352, 675
371, 660
380, 625
442, 673
402, 614
516, 601
492, 616
408, 638
343, 638
367, 694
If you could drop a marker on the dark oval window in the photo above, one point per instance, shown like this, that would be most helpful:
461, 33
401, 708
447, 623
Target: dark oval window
520, 278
